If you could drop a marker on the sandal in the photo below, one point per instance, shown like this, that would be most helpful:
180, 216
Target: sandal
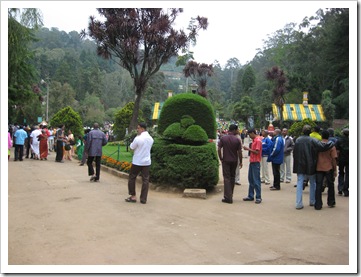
130, 199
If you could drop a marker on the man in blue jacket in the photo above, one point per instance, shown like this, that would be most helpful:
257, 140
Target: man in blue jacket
276, 158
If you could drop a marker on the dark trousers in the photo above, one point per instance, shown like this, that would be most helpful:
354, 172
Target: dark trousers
320, 175
97, 166
59, 151
84, 157
134, 171
276, 175
19, 152
229, 178
343, 177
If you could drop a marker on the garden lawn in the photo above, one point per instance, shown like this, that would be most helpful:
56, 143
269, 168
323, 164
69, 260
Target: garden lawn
118, 152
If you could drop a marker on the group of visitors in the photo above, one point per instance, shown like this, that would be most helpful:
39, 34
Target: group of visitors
315, 160
37, 141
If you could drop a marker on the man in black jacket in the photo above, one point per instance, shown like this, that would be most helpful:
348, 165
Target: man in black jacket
305, 161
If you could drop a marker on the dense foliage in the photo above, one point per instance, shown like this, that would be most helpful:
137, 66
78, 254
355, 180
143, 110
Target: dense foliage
314, 56
184, 166
70, 119
190, 104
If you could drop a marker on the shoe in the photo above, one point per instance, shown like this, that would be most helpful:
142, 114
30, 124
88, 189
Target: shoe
262, 181
143, 202
94, 178
346, 194
130, 200
273, 188
267, 183
227, 201
299, 208
331, 206
258, 201
295, 186
312, 205
339, 192
237, 183
81, 164
282, 181
288, 181
247, 199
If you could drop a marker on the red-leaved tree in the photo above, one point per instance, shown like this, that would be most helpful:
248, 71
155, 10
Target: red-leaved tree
141, 40
199, 73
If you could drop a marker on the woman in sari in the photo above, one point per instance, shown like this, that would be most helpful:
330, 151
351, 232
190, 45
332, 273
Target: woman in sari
43, 145
34, 142
79, 148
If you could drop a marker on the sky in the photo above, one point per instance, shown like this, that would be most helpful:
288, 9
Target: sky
236, 28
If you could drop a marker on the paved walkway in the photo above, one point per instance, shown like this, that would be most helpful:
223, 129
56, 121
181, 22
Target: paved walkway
58, 217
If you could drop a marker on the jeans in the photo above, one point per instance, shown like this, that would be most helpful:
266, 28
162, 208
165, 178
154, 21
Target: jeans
320, 175
343, 177
97, 166
254, 180
264, 170
276, 176
229, 176
286, 168
300, 178
134, 171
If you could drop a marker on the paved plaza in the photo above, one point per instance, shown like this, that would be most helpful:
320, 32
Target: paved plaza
58, 217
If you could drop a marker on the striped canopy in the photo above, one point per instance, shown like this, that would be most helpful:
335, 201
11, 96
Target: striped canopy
298, 112
156, 110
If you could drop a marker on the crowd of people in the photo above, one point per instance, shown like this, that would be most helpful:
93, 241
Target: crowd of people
36, 142
317, 155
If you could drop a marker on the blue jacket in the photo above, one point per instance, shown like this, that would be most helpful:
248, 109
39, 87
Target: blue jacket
276, 155
266, 146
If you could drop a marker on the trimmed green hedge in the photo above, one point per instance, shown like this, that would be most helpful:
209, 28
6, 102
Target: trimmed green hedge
194, 105
184, 166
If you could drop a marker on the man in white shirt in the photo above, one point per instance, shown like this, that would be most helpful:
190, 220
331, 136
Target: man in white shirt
141, 145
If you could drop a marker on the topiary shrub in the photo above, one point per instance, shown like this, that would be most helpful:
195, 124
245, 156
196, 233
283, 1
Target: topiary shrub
184, 166
196, 106
195, 135
174, 132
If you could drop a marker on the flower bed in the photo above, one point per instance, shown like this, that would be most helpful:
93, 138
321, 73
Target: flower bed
121, 165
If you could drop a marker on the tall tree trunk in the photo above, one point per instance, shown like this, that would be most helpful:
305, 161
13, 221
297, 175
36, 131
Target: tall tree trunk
134, 121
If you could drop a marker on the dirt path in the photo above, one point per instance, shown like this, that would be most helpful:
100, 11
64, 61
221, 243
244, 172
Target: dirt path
57, 217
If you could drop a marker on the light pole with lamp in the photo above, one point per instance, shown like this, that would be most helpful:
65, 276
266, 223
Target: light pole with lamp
47, 98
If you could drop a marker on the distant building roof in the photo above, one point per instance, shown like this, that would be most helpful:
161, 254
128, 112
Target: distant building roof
298, 112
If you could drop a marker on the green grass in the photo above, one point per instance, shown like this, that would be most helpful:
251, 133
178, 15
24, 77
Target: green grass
112, 151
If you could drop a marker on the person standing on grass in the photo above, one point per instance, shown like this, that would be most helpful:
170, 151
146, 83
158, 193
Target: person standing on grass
232, 152
254, 170
95, 141
141, 145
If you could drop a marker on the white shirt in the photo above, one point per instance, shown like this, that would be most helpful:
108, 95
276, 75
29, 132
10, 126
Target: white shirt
142, 145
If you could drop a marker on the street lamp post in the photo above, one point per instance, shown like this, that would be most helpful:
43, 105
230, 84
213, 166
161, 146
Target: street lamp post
47, 99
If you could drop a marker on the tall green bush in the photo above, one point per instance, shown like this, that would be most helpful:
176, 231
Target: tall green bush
184, 166
122, 119
70, 119
196, 106
296, 128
